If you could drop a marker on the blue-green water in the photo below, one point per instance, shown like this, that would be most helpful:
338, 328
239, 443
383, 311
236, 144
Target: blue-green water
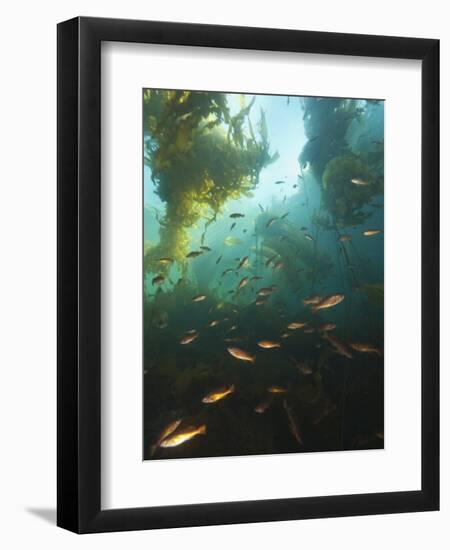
250, 209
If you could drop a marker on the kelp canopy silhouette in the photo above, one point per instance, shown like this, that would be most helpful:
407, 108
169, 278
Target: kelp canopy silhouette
333, 162
200, 156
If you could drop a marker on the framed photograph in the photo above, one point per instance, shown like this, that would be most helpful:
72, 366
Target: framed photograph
248, 254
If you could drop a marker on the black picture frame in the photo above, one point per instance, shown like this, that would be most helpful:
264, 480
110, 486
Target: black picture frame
79, 281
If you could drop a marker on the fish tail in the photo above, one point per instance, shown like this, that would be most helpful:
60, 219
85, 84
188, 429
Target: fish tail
314, 309
202, 429
153, 449
232, 388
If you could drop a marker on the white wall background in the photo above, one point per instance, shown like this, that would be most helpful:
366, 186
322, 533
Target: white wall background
28, 271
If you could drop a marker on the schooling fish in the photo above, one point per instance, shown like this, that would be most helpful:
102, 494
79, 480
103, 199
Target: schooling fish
180, 437
309, 237
241, 354
344, 238
194, 254
166, 432
217, 395
312, 300
278, 182
278, 265
271, 222
259, 302
231, 241
284, 215
188, 338
267, 291
365, 348
339, 346
242, 283
371, 232
237, 215
206, 248
359, 181
261, 207
214, 323
218, 259
165, 261
270, 260
276, 389
296, 325
199, 298
233, 225
158, 280
263, 405
327, 327
269, 344
243, 262
328, 301
229, 270
255, 278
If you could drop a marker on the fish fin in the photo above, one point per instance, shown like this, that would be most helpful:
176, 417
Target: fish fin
202, 429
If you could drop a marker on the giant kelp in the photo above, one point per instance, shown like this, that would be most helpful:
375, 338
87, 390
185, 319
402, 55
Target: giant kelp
344, 200
334, 162
200, 156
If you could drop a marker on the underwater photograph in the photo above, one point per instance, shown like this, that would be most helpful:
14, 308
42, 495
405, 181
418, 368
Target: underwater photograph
263, 259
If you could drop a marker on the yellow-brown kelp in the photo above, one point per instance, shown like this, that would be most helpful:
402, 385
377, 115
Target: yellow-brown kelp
200, 157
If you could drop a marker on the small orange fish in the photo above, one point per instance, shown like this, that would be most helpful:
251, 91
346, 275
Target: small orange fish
241, 354
344, 238
263, 405
165, 433
180, 437
327, 327
268, 344
188, 338
296, 325
365, 348
217, 395
276, 389
339, 346
312, 300
328, 301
